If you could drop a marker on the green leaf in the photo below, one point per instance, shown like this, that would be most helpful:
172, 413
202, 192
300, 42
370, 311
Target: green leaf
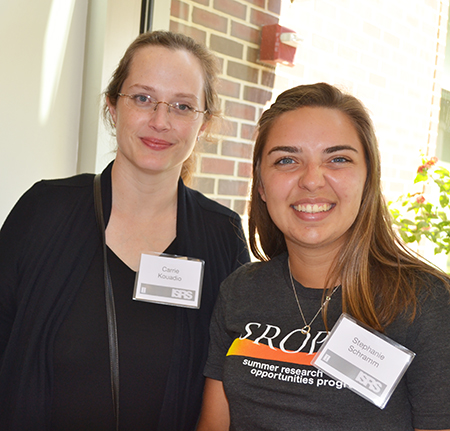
442, 215
442, 171
408, 222
443, 200
421, 176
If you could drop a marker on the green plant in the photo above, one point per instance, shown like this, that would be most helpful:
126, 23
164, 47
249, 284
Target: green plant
431, 216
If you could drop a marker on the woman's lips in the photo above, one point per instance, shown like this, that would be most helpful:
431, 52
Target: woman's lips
156, 144
313, 208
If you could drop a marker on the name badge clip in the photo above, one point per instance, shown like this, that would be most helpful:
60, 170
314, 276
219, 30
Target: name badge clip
369, 363
169, 279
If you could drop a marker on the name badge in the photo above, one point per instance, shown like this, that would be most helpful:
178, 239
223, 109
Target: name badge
368, 362
170, 280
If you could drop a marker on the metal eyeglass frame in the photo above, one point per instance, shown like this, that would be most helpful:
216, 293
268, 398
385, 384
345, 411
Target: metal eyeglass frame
169, 105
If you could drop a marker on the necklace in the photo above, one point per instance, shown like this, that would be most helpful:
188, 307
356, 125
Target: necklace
307, 328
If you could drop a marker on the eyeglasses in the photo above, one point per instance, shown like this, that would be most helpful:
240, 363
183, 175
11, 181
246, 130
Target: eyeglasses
145, 103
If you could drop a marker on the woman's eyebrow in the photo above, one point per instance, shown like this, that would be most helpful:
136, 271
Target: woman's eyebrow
295, 149
336, 148
142, 87
285, 149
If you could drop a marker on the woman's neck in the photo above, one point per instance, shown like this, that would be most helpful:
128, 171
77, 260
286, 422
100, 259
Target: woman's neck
311, 267
136, 191
143, 213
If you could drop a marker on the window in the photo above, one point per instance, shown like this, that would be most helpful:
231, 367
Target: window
146, 16
443, 139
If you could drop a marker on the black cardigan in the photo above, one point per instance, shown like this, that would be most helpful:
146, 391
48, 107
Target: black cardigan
46, 246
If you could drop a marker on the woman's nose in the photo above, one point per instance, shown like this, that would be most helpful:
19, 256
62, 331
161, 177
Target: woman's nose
311, 177
160, 116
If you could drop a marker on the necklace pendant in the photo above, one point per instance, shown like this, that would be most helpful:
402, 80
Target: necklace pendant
305, 330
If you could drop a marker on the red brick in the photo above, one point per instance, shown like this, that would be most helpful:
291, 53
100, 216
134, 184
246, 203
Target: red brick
229, 88
221, 64
217, 166
257, 95
243, 72
248, 131
252, 54
275, 6
231, 7
268, 79
210, 20
179, 9
204, 2
240, 110
245, 170
207, 147
229, 128
237, 149
226, 46
260, 18
233, 188
245, 32
202, 184
195, 33
259, 3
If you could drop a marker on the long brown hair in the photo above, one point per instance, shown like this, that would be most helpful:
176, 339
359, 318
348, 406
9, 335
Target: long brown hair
380, 278
172, 41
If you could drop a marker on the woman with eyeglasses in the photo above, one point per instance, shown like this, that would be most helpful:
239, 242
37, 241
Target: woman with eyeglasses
320, 226
79, 348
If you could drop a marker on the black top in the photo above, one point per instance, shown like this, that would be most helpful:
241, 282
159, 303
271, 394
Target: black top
47, 245
267, 374
82, 383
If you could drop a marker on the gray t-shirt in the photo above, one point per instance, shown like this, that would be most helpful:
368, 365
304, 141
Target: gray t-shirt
263, 359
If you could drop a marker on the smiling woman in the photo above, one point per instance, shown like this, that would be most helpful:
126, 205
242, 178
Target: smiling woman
158, 140
312, 178
326, 238
72, 358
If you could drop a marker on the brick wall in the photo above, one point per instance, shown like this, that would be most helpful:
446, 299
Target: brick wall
232, 30
387, 53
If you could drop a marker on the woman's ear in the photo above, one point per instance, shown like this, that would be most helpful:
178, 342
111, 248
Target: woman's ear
202, 129
262, 192
112, 110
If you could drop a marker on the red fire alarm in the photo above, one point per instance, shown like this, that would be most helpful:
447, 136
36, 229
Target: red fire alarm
278, 45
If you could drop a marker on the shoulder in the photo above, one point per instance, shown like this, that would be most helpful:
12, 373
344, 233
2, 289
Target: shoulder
74, 182
51, 197
47, 187
257, 273
430, 320
434, 293
250, 288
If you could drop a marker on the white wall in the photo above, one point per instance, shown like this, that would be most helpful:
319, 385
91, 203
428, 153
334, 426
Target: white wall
41, 49
57, 57
112, 26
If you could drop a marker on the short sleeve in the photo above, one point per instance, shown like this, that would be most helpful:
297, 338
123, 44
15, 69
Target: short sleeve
428, 377
220, 340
